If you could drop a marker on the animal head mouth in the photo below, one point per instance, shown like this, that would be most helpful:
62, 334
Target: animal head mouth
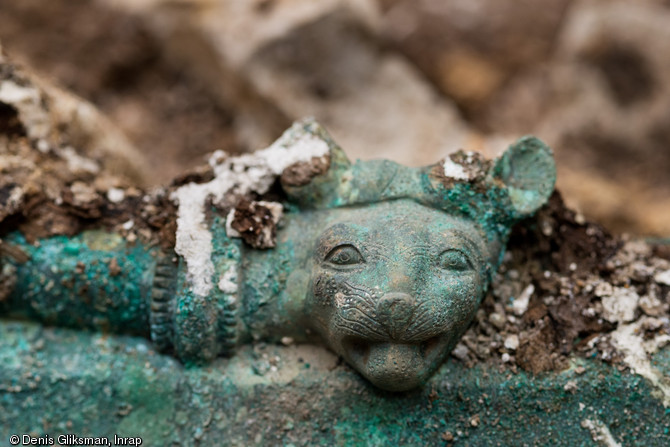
404, 347
359, 348
395, 366
395, 338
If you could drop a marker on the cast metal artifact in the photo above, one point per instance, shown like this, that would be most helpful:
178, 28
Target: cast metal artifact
385, 264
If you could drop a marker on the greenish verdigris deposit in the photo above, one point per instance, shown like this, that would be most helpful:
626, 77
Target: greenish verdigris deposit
55, 380
383, 263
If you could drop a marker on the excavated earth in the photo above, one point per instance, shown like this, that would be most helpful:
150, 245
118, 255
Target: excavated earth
566, 273
567, 289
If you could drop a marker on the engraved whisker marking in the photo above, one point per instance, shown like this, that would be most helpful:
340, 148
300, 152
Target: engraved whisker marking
351, 330
353, 324
419, 320
365, 295
419, 336
344, 315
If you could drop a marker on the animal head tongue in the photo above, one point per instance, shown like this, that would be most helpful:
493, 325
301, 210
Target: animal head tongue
395, 366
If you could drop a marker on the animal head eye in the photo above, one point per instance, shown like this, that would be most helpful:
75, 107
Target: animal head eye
454, 260
344, 255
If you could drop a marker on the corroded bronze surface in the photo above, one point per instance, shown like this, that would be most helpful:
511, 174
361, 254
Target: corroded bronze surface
393, 286
385, 264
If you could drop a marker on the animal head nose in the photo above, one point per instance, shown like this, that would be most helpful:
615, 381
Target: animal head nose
395, 311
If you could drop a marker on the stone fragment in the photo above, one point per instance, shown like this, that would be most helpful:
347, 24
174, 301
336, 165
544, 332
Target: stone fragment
84, 200
603, 289
663, 277
48, 115
602, 101
497, 320
520, 304
11, 199
512, 342
620, 306
301, 58
651, 305
470, 49
460, 352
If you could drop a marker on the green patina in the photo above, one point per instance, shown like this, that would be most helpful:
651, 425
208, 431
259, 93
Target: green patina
93, 280
120, 385
384, 263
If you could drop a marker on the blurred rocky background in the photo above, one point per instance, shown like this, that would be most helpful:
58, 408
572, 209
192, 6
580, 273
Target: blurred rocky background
409, 80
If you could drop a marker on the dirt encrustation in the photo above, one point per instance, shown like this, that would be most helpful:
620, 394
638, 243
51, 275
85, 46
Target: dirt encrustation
559, 291
554, 293
116, 62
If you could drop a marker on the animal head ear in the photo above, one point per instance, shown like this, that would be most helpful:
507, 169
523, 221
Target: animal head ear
313, 183
528, 171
